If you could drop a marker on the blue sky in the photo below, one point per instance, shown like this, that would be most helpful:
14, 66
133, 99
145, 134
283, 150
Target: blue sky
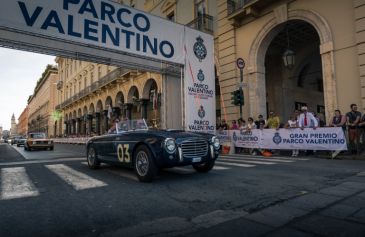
19, 72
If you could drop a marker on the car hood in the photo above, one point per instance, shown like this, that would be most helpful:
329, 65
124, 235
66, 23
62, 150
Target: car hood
176, 134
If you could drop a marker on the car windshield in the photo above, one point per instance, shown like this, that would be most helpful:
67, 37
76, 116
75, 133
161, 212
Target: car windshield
128, 125
37, 135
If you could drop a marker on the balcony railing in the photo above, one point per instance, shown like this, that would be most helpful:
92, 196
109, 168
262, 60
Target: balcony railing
110, 77
235, 5
203, 23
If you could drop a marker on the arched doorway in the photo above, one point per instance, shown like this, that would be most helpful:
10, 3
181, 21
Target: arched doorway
84, 123
150, 104
91, 119
119, 103
255, 68
133, 98
288, 87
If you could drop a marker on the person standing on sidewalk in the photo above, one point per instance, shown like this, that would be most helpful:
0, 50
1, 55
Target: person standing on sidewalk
293, 123
353, 119
307, 120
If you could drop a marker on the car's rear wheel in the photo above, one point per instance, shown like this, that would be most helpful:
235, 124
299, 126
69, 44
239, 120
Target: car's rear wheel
204, 167
144, 164
92, 158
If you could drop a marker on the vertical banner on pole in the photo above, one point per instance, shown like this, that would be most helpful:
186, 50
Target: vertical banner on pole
199, 82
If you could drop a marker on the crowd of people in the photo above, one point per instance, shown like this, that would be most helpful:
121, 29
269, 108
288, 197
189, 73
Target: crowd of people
352, 123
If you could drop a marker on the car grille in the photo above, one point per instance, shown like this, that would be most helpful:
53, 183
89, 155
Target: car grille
194, 148
41, 142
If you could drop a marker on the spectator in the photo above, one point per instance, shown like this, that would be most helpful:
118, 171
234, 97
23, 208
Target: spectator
338, 120
261, 122
241, 124
251, 124
234, 125
293, 123
297, 113
273, 121
307, 119
353, 119
223, 125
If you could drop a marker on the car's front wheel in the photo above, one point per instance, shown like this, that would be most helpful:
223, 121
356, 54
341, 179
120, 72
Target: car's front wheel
204, 167
144, 164
92, 158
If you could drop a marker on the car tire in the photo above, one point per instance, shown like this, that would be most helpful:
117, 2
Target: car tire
17, 145
92, 158
144, 164
51, 148
204, 167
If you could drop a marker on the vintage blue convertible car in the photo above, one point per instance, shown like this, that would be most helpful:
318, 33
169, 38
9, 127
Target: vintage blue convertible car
146, 151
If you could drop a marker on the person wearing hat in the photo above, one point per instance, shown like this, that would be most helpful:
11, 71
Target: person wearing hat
307, 119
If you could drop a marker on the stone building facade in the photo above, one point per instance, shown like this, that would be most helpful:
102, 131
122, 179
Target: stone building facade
23, 122
327, 72
93, 94
328, 40
41, 105
13, 126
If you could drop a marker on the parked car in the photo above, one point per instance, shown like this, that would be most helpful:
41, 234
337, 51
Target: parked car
146, 151
36, 141
21, 141
13, 140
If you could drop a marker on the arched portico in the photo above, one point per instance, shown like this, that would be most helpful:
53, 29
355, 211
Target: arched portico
259, 47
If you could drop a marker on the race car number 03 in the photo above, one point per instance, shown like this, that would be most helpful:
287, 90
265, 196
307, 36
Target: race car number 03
123, 154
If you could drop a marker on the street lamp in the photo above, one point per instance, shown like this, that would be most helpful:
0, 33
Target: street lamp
289, 55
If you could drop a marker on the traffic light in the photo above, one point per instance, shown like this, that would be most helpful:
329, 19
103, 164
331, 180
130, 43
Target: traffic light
237, 97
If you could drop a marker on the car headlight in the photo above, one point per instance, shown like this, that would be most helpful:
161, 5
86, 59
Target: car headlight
215, 142
34, 143
170, 145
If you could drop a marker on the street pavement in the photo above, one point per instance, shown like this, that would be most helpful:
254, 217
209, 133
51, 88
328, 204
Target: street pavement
45, 193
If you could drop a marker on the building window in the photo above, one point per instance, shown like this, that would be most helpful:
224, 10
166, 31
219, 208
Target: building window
200, 8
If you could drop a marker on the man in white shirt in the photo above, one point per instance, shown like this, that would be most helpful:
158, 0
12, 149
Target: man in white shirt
307, 119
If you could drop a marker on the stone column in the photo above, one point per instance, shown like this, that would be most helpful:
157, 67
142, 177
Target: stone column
97, 120
128, 110
329, 80
89, 123
84, 125
66, 128
78, 126
144, 104
73, 126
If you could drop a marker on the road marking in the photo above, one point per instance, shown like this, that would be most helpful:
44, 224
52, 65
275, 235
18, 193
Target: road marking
15, 183
217, 167
249, 161
261, 157
76, 179
256, 158
40, 161
234, 164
